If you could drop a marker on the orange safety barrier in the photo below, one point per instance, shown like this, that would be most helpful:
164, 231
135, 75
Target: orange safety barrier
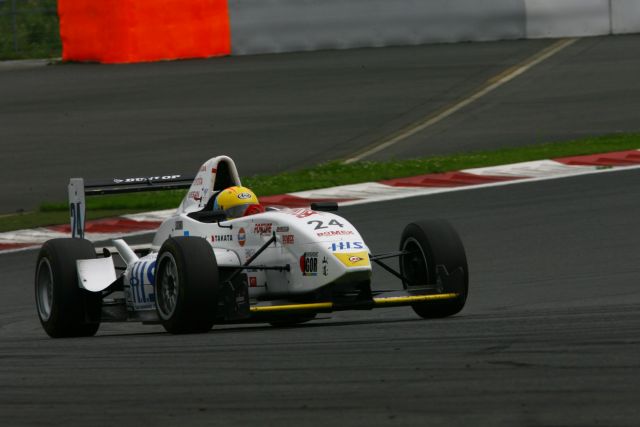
119, 31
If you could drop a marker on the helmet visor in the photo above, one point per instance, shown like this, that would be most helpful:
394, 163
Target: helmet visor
236, 211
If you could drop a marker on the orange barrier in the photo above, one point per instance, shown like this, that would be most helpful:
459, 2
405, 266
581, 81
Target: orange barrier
118, 31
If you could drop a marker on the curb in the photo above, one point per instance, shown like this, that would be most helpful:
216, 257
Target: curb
353, 194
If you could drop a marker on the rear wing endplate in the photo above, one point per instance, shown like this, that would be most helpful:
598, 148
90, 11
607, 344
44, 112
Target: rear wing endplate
78, 190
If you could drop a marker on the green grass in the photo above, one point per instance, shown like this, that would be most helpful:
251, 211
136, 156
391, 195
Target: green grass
327, 175
32, 32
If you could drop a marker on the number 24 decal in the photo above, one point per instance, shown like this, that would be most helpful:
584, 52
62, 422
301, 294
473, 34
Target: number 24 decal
320, 224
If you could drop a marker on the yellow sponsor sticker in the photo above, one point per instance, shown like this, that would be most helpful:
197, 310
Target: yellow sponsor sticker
354, 259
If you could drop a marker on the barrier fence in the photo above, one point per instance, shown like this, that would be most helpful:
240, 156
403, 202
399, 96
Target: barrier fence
29, 28
150, 30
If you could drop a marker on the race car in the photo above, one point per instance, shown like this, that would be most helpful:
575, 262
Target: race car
282, 266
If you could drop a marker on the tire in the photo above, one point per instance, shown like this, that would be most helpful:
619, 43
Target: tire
434, 243
186, 285
65, 309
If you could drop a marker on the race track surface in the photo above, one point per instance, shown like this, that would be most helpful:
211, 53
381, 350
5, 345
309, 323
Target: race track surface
585, 90
281, 112
549, 335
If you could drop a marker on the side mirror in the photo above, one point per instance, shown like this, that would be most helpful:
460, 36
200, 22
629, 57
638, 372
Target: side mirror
324, 206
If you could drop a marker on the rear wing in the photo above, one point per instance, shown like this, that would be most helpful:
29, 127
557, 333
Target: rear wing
78, 190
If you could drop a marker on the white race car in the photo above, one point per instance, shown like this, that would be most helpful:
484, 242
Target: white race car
282, 266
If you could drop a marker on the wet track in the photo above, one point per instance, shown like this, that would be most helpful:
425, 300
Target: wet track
549, 335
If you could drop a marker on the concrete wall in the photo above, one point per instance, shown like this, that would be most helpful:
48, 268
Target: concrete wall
264, 26
259, 26
625, 16
567, 18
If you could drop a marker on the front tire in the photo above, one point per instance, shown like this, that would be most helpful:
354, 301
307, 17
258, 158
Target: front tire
186, 285
434, 243
65, 309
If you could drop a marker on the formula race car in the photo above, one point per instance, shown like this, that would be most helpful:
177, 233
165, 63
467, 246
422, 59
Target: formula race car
282, 266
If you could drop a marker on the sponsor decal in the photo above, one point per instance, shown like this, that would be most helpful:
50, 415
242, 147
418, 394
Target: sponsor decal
309, 264
354, 259
288, 239
345, 246
282, 229
335, 233
300, 212
197, 181
203, 168
145, 179
264, 228
242, 237
178, 225
185, 233
141, 283
222, 238
325, 266
253, 282
195, 195
214, 170
244, 196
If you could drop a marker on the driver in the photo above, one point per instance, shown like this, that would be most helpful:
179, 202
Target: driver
237, 202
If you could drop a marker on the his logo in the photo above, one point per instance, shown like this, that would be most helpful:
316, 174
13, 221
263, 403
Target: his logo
309, 264
244, 196
342, 246
242, 237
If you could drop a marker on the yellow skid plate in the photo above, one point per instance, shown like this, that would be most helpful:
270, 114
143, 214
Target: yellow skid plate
378, 302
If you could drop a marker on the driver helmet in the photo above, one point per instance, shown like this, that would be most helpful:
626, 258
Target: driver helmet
237, 202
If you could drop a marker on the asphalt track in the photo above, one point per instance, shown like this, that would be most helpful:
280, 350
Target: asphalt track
549, 335
281, 112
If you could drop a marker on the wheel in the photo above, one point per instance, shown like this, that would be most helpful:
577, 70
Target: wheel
289, 321
65, 309
186, 285
434, 244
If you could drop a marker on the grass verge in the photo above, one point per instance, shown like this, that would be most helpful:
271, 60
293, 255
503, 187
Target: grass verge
327, 175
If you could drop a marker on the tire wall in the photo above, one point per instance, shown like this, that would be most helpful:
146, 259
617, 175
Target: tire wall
268, 26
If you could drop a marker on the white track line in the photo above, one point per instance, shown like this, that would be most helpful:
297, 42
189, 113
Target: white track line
495, 83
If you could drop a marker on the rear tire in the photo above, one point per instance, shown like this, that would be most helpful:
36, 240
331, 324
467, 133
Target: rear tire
433, 243
65, 309
186, 285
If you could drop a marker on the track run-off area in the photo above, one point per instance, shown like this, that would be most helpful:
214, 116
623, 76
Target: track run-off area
549, 333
